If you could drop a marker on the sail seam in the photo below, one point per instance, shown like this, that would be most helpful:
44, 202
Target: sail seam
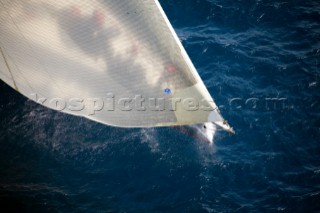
31, 48
7, 64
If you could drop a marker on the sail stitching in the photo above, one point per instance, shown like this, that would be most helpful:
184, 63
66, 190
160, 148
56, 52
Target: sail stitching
31, 48
7, 64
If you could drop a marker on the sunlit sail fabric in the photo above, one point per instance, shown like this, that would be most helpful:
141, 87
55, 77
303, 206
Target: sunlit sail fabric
115, 62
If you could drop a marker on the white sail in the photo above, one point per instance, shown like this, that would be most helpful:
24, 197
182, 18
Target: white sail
116, 62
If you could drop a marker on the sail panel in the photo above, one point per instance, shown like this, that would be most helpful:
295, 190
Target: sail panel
115, 62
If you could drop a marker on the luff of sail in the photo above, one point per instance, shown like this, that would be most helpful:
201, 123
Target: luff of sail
116, 62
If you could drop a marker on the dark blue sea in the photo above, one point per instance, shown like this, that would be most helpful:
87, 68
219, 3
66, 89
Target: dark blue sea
260, 61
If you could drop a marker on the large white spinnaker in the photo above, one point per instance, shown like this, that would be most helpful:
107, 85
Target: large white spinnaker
116, 62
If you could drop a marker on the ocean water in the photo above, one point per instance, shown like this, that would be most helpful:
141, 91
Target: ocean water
260, 61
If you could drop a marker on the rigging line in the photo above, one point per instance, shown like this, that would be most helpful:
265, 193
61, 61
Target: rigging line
31, 48
7, 64
17, 68
12, 61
